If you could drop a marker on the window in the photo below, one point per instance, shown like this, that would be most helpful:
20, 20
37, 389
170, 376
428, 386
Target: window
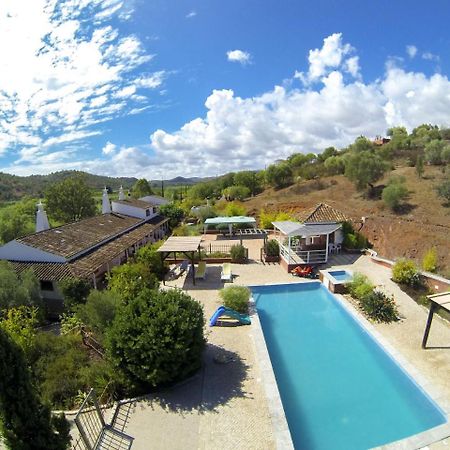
147, 212
46, 285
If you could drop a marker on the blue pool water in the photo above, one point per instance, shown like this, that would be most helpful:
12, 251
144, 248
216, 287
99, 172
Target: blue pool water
339, 388
340, 275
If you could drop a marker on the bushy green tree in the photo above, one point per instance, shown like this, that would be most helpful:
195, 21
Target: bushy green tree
150, 258
236, 192
395, 193
157, 337
364, 168
70, 200
433, 151
129, 279
423, 134
379, 307
75, 291
99, 311
279, 175
141, 188
362, 144
17, 220
251, 179
335, 165
25, 423
235, 209
173, 212
327, 153
17, 290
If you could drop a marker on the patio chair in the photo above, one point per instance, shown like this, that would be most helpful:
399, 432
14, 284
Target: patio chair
227, 274
200, 273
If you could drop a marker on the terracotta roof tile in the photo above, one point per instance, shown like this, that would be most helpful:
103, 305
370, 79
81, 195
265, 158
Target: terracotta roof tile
134, 202
322, 213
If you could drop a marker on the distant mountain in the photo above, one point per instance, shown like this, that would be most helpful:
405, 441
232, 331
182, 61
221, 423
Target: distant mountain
13, 187
180, 180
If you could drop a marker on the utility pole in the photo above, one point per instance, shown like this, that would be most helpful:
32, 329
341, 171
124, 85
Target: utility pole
162, 187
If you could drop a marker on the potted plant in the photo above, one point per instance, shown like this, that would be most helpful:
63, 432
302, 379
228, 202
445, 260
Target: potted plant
271, 251
238, 253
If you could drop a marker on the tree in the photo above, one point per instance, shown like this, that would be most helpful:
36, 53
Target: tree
251, 179
327, 153
362, 144
70, 200
394, 193
174, 213
151, 259
279, 175
236, 192
75, 291
17, 220
157, 337
335, 165
433, 151
129, 279
419, 166
17, 290
423, 134
444, 190
141, 188
364, 168
25, 423
235, 209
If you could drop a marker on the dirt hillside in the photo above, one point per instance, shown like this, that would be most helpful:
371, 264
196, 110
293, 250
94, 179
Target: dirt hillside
423, 222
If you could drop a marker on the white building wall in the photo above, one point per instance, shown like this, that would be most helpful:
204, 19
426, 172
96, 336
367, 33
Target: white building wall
16, 251
134, 211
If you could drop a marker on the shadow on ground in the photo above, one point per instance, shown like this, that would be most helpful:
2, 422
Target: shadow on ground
220, 380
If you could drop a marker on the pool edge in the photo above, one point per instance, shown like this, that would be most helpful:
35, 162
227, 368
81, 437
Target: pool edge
280, 427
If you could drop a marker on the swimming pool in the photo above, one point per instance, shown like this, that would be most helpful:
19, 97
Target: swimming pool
340, 275
339, 388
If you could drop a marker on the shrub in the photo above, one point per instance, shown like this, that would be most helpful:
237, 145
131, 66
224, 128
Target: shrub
272, 248
234, 209
237, 252
379, 307
430, 260
352, 238
405, 271
360, 286
394, 194
236, 297
99, 311
25, 422
75, 291
157, 338
128, 280
266, 219
174, 213
444, 190
149, 256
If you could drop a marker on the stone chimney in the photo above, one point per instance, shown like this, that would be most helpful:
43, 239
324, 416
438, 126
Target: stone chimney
106, 205
41, 218
121, 194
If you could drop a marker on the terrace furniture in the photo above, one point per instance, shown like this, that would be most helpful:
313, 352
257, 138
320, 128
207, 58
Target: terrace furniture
301, 271
95, 433
200, 273
438, 301
226, 274
180, 268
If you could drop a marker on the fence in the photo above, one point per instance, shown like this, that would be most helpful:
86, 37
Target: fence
212, 247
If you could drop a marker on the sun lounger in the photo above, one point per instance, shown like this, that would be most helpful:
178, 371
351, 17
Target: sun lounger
226, 275
200, 273
180, 268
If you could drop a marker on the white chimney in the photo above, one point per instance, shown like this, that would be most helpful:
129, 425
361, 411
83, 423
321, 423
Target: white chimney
41, 218
106, 206
121, 194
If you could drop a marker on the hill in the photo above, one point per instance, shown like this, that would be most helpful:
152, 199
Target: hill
13, 187
423, 222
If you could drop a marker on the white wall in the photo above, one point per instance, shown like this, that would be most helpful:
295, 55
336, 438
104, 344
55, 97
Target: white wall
133, 211
16, 251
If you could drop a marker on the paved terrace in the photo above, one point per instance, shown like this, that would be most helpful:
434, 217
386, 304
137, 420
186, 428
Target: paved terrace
224, 405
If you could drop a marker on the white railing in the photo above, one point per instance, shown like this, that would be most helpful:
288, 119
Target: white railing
296, 256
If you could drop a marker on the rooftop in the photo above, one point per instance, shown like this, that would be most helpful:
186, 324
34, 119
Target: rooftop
322, 213
134, 202
181, 244
232, 219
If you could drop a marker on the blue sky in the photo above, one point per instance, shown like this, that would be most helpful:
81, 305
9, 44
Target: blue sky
193, 88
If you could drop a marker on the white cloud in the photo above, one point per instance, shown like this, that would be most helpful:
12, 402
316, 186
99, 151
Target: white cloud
238, 56
331, 56
109, 148
411, 50
430, 56
191, 15
64, 73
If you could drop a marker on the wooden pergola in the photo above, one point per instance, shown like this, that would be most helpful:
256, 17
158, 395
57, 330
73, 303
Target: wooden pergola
438, 301
187, 245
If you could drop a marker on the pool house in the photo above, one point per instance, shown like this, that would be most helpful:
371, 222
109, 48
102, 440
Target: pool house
311, 240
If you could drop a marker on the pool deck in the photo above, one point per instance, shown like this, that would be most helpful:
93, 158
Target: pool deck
226, 404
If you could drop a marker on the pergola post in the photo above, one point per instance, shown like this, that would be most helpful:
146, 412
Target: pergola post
289, 250
326, 248
433, 307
